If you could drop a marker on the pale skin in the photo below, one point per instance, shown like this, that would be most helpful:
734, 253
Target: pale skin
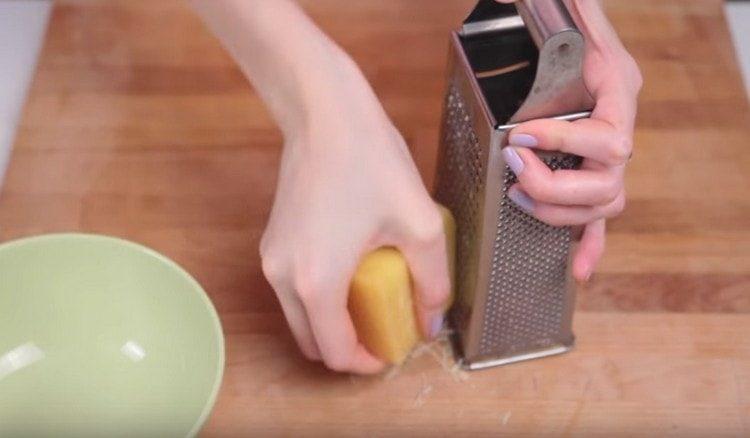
348, 185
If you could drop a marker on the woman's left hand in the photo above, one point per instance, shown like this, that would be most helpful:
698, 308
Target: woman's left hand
595, 192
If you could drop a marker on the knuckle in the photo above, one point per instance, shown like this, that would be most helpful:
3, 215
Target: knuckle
612, 190
304, 289
429, 229
265, 247
628, 66
617, 206
272, 267
637, 77
538, 188
620, 147
633, 71
305, 293
312, 281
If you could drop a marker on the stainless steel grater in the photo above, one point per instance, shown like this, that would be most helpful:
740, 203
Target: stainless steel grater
508, 64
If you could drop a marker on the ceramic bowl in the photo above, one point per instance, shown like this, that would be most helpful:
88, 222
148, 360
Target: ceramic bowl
103, 337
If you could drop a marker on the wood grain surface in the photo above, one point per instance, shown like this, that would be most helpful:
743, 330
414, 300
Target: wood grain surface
138, 125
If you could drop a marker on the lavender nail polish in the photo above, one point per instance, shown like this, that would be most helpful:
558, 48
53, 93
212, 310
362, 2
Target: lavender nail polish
513, 160
523, 140
437, 325
521, 199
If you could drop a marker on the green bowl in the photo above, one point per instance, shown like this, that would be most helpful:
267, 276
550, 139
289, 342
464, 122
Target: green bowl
103, 337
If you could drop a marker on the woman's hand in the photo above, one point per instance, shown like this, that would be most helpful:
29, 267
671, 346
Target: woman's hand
595, 192
347, 184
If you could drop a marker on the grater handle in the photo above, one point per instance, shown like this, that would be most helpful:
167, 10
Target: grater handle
559, 87
545, 19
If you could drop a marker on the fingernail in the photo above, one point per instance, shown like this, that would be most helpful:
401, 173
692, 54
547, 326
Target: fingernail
523, 140
521, 199
513, 160
437, 325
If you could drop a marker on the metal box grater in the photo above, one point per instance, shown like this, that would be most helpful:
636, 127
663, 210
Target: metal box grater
508, 64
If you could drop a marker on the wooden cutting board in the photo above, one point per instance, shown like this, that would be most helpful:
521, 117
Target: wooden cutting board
138, 125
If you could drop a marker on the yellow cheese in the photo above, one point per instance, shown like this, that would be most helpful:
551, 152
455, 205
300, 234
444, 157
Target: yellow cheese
380, 299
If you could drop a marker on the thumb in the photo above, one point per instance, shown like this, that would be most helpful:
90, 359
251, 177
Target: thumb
428, 262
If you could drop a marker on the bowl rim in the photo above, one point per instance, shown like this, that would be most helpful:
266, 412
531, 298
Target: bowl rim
161, 258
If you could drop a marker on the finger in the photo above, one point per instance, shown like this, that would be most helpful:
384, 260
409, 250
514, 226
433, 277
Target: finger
291, 306
299, 324
589, 138
589, 251
337, 339
561, 215
563, 187
428, 264
422, 241
325, 300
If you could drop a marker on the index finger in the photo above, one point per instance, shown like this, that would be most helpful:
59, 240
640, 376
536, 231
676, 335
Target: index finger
588, 138
325, 301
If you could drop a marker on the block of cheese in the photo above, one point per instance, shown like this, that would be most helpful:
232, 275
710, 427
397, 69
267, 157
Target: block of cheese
381, 302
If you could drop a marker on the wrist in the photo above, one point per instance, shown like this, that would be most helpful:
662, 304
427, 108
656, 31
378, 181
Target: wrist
332, 90
300, 73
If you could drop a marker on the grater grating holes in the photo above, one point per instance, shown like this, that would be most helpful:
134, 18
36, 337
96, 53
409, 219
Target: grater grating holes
527, 288
461, 180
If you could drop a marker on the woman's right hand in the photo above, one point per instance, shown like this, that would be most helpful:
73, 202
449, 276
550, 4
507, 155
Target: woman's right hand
348, 185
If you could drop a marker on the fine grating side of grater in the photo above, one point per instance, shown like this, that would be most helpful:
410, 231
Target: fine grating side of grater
508, 64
